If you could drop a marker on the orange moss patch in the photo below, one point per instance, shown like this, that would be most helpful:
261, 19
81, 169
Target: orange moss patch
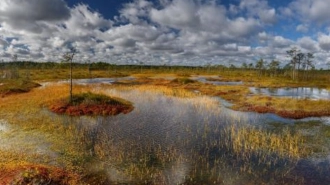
92, 105
36, 174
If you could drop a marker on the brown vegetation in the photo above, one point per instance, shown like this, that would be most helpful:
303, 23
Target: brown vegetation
36, 174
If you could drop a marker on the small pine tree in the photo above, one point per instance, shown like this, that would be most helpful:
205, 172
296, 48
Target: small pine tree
68, 57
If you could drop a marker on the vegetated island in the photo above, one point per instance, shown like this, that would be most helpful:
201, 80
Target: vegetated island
16, 86
92, 105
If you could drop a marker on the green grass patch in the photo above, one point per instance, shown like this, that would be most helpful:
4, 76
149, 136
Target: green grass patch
14, 86
92, 99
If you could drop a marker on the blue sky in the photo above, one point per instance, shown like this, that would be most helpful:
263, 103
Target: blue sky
165, 32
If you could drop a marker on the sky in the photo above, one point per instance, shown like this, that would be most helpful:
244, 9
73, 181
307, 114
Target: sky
165, 32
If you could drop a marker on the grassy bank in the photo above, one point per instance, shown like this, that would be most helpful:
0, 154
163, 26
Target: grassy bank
285, 107
14, 86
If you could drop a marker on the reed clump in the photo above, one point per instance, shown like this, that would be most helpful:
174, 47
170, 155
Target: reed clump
284, 144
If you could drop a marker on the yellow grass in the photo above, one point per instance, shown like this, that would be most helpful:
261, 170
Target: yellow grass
168, 91
284, 144
25, 113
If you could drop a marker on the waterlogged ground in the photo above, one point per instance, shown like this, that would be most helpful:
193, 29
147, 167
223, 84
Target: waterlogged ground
177, 138
32, 142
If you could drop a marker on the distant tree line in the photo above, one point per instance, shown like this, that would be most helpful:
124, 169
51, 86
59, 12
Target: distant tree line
300, 66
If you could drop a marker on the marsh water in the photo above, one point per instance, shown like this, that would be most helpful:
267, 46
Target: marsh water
298, 92
216, 80
173, 140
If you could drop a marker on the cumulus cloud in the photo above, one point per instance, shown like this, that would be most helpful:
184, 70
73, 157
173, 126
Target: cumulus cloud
324, 41
192, 32
134, 10
259, 8
30, 15
281, 42
309, 10
308, 44
3, 42
302, 28
33, 10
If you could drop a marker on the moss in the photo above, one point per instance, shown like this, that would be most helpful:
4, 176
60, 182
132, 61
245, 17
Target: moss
91, 98
16, 86
183, 81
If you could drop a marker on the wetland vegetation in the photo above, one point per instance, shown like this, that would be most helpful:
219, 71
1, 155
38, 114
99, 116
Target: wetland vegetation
184, 128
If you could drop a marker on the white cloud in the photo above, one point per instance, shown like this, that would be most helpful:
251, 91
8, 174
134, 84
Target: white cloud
259, 8
83, 22
310, 10
281, 42
324, 42
245, 49
33, 10
184, 11
20, 16
191, 32
302, 28
308, 43
134, 10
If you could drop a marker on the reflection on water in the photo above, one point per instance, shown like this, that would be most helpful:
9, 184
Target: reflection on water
204, 79
101, 80
88, 81
15, 139
299, 92
169, 140
160, 134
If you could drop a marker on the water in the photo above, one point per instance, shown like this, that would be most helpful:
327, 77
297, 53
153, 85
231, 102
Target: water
171, 140
203, 79
89, 81
181, 138
299, 92
26, 142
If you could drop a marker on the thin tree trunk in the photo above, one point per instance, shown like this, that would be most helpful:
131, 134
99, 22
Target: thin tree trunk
70, 81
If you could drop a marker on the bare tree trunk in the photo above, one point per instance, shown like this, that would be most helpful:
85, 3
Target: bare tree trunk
71, 80
294, 71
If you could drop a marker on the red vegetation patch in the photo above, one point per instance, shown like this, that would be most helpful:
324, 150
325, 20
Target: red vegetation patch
293, 114
36, 174
302, 114
92, 105
91, 110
